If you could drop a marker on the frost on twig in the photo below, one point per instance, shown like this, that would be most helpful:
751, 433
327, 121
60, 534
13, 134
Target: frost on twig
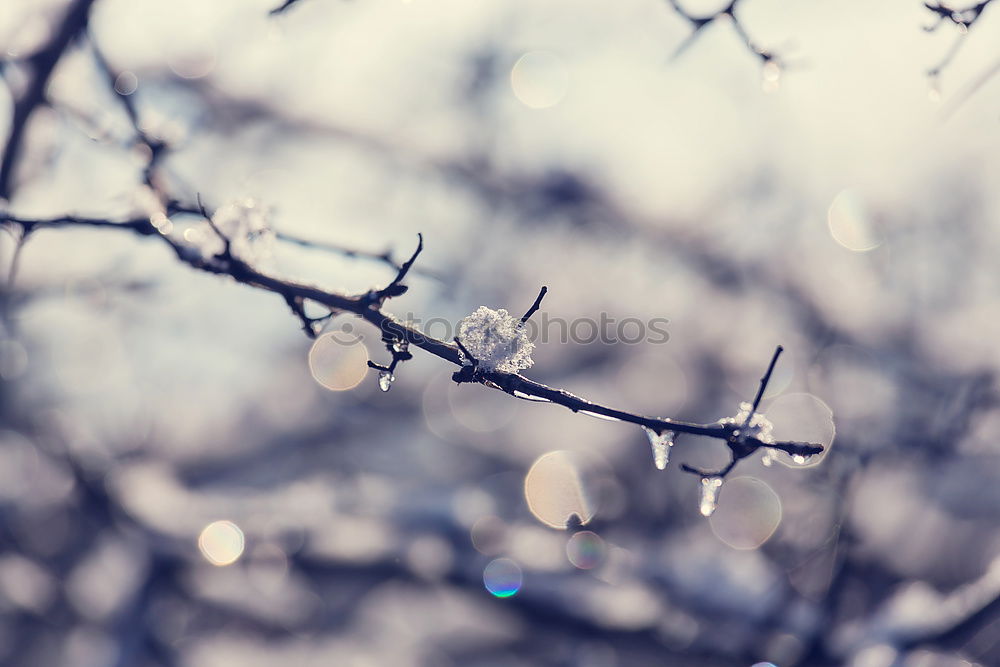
496, 341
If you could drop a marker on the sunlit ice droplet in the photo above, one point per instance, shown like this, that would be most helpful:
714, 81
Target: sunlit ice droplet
503, 577
385, 380
554, 490
586, 550
221, 543
850, 222
539, 79
750, 515
338, 361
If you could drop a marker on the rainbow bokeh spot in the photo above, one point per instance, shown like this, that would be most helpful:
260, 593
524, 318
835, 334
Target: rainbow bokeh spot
502, 577
585, 550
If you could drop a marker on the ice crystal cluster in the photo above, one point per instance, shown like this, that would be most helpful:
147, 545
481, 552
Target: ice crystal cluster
496, 340
759, 427
246, 224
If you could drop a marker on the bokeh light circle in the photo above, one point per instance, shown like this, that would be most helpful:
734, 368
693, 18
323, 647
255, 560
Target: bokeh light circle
586, 550
221, 543
850, 222
489, 535
801, 417
539, 79
750, 515
554, 489
503, 577
126, 83
338, 362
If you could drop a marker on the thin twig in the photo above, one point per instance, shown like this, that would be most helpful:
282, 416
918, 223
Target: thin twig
964, 19
396, 287
385, 257
710, 473
699, 23
763, 382
282, 8
535, 305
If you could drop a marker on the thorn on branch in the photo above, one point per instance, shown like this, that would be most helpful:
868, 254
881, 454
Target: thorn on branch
534, 307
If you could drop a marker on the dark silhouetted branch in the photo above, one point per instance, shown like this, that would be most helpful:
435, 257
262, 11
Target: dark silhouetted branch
964, 19
396, 287
763, 384
43, 63
742, 443
698, 23
364, 306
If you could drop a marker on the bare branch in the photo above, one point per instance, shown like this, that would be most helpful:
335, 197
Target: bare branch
698, 23
964, 19
43, 63
364, 307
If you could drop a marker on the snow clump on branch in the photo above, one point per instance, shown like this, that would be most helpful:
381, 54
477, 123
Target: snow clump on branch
496, 340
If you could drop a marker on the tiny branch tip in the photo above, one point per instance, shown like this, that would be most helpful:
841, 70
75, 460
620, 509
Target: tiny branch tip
763, 383
536, 305
396, 288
